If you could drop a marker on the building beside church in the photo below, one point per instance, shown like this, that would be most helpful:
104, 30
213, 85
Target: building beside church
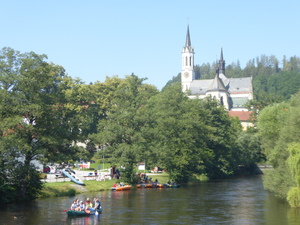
232, 93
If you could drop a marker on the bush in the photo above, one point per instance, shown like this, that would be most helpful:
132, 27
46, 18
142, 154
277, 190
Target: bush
71, 192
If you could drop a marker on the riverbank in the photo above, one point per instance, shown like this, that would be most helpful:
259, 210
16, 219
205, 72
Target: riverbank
68, 188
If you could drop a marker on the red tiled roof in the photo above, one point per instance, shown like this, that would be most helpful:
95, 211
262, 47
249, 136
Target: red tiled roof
242, 115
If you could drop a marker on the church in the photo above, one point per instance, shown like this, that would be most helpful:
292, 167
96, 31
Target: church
232, 93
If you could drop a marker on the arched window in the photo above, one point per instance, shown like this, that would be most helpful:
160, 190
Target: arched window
186, 60
221, 101
190, 60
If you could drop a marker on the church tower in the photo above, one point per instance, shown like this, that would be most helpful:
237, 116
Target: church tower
187, 71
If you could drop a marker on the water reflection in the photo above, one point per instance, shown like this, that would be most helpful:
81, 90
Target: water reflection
235, 201
83, 220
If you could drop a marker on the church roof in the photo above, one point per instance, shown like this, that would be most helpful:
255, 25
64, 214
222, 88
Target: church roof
239, 85
232, 85
199, 87
217, 84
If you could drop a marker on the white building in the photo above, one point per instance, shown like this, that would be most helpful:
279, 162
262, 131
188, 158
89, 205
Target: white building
232, 93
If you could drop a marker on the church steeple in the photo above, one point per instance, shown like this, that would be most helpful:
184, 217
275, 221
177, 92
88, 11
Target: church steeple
187, 69
221, 66
188, 39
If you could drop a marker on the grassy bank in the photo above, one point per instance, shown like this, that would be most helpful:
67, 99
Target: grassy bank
56, 189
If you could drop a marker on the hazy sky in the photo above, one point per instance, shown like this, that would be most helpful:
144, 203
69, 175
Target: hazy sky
93, 39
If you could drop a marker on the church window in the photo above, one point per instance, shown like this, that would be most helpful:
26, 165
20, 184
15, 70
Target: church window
186, 60
221, 101
190, 60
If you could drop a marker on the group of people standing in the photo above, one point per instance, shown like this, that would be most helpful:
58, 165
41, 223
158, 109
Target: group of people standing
78, 205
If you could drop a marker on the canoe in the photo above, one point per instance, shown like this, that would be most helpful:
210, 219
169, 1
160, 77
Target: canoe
83, 213
161, 185
71, 174
123, 188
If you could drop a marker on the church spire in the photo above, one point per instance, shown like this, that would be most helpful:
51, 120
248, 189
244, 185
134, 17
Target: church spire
221, 65
188, 39
221, 58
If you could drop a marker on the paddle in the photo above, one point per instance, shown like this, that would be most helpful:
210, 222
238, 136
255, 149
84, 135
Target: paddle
65, 210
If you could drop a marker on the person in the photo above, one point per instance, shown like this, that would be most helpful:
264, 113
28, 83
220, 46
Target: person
97, 204
96, 173
115, 185
74, 205
81, 206
117, 174
88, 204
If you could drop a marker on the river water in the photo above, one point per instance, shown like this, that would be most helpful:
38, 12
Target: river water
232, 201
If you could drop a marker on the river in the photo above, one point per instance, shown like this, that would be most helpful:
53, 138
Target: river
232, 201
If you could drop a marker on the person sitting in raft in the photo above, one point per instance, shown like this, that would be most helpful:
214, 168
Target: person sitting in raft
115, 185
88, 204
74, 205
97, 204
81, 206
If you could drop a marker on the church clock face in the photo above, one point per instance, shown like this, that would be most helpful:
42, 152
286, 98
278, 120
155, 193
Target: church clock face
186, 74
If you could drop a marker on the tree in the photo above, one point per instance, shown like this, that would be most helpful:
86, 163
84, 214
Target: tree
249, 147
174, 133
294, 166
192, 136
278, 126
120, 132
38, 119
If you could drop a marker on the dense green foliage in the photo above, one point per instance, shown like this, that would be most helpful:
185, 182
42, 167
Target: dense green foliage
278, 126
39, 120
44, 113
167, 129
192, 136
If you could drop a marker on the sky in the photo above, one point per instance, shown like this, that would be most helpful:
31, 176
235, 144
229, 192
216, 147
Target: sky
94, 39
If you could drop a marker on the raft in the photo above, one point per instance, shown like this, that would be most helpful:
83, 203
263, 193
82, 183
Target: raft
123, 188
148, 185
161, 185
83, 213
